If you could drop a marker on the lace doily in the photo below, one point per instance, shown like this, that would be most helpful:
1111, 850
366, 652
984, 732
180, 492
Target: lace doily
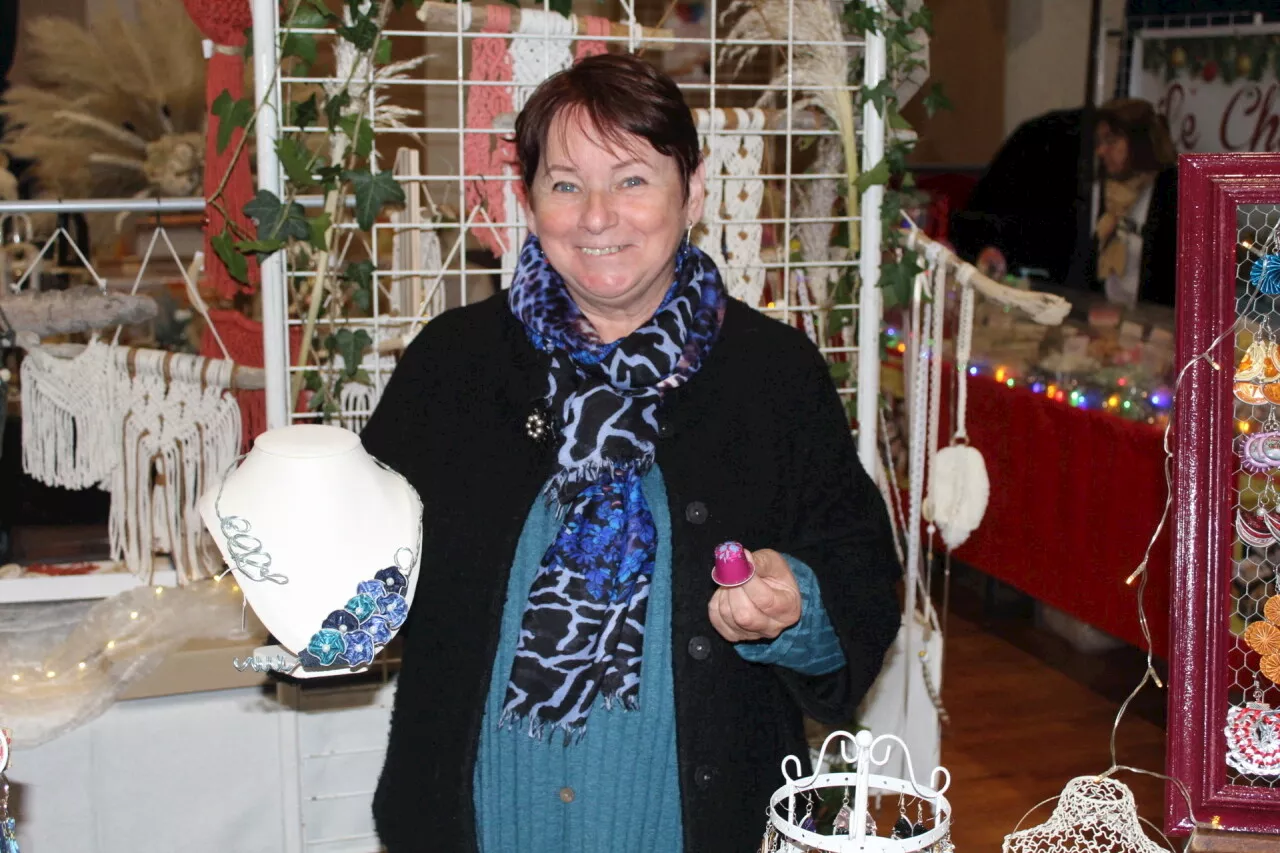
1093, 815
1253, 739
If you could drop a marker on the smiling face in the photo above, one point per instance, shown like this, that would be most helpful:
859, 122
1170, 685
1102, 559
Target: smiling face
610, 218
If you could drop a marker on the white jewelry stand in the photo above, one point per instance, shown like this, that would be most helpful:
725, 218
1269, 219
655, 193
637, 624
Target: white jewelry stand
860, 751
328, 516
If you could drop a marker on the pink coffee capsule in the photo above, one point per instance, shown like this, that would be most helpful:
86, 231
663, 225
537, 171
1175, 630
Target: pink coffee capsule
732, 566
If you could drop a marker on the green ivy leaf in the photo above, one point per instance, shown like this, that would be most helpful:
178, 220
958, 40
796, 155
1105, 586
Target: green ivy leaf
303, 45
275, 219
936, 100
260, 247
359, 130
304, 114
232, 114
839, 371
399, 4
318, 228
360, 273
564, 7
362, 377
333, 107
296, 160
351, 346
237, 265
373, 192
312, 382
329, 176
319, 7
875, 176
878, 94
382, 55
362, 33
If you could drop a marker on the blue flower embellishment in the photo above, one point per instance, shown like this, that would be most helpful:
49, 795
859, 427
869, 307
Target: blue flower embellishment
378, 628
326, 645
362, 606
341, 621
395, 608
1265, 274
359, 650
393, 580
367, 622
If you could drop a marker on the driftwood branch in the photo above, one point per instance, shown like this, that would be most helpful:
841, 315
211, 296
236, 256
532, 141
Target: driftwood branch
83, 308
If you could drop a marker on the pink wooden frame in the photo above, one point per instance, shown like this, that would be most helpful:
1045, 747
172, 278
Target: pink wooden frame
1210, 188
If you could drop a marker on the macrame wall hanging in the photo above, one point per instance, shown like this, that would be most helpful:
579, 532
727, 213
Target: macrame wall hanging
66, 404
415, 244
179, 431
816, 200
484, 153
151, 426
743, 194
708, 235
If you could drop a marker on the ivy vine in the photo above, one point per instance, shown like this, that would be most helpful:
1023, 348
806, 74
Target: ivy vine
334, 163
898, 25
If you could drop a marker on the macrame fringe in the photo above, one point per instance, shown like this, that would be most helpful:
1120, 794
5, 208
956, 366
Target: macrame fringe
176, 440
65, 418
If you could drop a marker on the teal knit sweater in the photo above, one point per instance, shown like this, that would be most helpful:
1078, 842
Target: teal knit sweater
617, 789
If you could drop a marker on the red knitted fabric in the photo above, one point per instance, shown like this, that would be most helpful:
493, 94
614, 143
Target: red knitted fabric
490, 62
243, 338
224, 23
599, 27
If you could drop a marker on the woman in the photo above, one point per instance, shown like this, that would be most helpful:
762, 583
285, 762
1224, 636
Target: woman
573, 680
1135, 237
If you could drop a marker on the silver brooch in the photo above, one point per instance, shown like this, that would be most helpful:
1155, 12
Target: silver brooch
540, 425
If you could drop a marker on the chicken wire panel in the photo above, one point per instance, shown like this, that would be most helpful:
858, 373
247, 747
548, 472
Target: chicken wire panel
443, 110
1253, 671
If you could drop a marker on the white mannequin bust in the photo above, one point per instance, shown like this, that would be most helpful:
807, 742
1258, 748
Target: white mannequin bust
330, 518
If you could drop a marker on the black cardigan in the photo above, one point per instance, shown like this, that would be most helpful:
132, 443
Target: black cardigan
754, 448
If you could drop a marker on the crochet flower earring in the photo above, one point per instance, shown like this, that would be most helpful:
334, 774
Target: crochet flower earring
1253, 731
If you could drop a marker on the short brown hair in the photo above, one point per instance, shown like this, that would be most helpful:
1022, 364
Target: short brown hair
620, 95
1150, 146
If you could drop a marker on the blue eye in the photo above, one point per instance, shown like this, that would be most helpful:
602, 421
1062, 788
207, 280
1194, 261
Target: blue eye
633, 182
563, 187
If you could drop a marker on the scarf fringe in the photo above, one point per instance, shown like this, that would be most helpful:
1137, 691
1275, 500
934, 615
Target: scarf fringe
538, 729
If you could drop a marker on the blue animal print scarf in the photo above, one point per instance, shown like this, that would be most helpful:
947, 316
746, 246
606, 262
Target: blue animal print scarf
582, 632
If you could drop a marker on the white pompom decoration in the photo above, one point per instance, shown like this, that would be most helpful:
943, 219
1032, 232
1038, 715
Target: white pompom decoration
958, 493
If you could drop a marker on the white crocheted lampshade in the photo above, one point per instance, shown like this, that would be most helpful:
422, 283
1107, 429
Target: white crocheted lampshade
1093, 815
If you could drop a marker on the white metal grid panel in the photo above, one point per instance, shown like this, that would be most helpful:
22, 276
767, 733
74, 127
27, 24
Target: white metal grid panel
440, 90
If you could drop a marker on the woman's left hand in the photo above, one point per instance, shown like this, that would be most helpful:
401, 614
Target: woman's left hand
763, 607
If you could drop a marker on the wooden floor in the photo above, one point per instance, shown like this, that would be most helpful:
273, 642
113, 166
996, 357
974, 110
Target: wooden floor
1028, 713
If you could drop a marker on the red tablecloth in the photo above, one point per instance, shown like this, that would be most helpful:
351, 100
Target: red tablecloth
1075, 497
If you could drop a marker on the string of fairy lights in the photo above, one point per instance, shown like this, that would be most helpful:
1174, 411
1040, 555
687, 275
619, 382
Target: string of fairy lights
48, 672
1119, 391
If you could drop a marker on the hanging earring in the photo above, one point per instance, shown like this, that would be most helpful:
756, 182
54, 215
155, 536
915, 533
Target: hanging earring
902, 827
844, 817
